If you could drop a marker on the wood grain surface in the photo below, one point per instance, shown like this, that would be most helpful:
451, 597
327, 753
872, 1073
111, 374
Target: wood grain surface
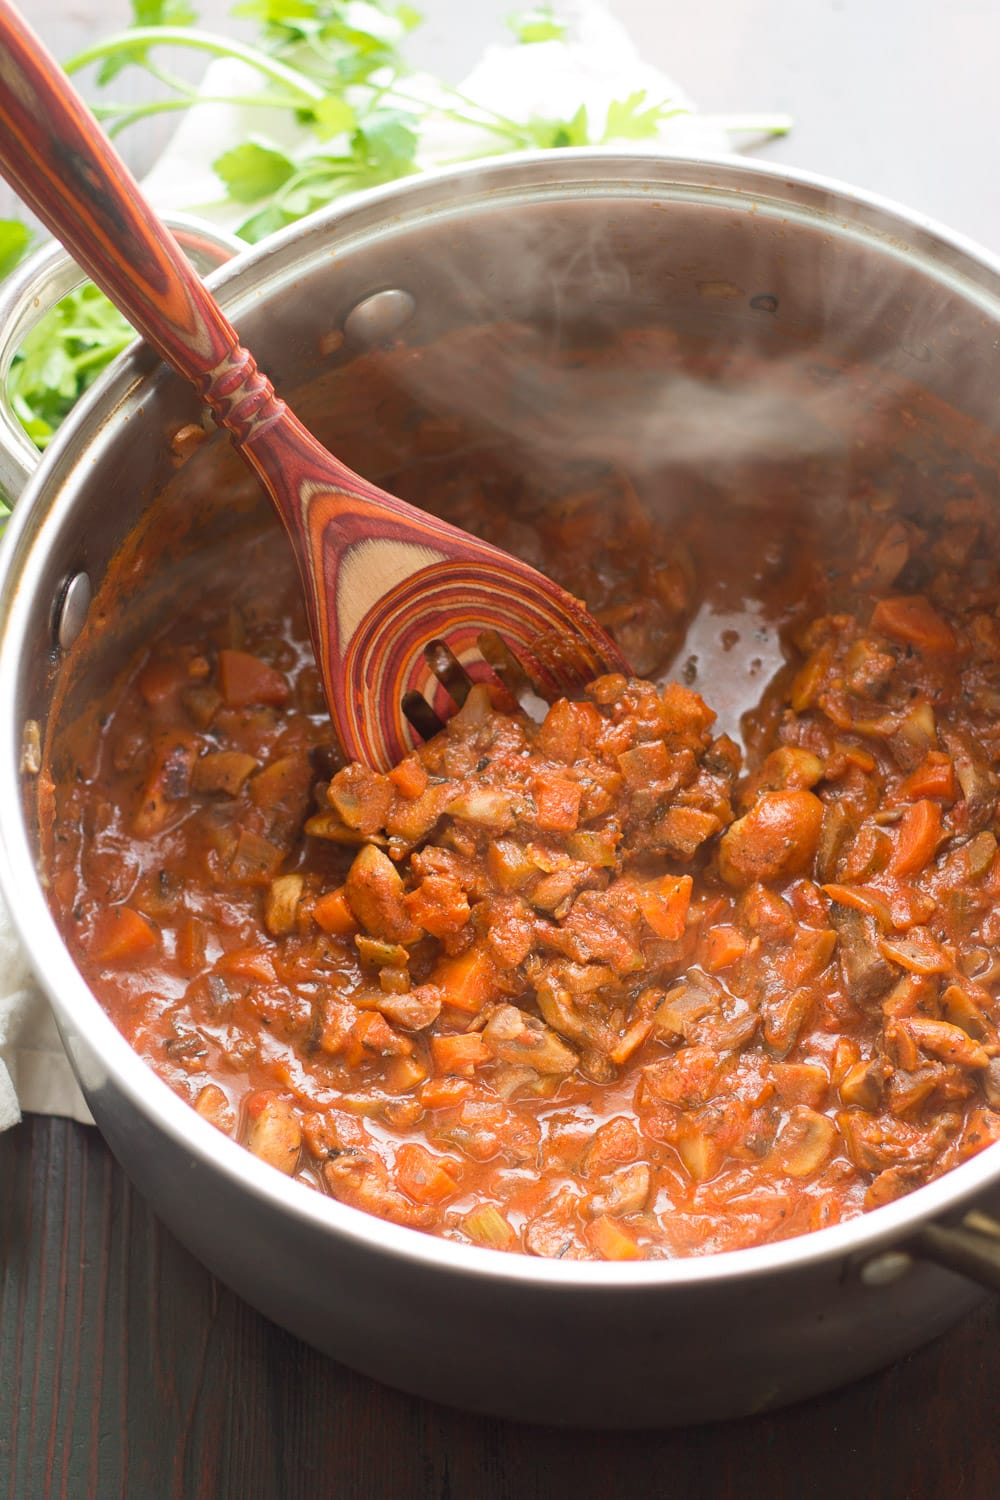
125, 1369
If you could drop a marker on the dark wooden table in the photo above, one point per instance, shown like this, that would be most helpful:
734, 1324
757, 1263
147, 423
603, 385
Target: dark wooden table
126, 1370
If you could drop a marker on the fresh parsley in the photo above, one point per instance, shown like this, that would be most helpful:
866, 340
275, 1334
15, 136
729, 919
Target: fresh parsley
60, 358
15, 238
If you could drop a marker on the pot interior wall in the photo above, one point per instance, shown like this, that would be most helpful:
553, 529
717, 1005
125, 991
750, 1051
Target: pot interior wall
783, 349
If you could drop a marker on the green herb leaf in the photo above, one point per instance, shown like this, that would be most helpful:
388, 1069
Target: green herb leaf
145, 13
268, 221
546, 134
162, 13
538, 25
252, 171
333, 116
387, 140
274, 12
408, 17
15, 238
627, 120
367, 22
61, 356
112, 66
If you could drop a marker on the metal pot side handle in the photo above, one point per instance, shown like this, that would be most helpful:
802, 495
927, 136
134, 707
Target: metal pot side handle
970, 1248
34, 289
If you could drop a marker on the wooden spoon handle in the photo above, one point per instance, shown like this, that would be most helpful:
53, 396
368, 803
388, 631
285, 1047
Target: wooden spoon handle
55, 155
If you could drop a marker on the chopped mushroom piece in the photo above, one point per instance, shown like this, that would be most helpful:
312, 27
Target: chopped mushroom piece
866, 970
624, 1192
214, 1107
375, 893
517, 1038
777, 837
805, 1142
282, 904
273, 1131
222, 771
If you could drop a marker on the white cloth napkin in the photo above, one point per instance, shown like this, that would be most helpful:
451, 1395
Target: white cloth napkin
595, 64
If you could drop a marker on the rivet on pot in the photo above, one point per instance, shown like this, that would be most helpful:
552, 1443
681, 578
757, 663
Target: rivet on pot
71, 609
379, 316
883, 1269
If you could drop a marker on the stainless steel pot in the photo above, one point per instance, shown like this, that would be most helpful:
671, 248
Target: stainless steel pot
731, 250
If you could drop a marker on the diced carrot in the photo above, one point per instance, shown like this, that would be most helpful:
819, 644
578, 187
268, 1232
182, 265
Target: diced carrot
722, 946
914, 621
918, 837
424, 1177
664, 905
645, 763
509, 864
245, 679
190, 944
934, 778
861, 899
460, 1054
812, 950
409, 778
333, 914
557, 801
567, 728
445, 1092
631, 1040
371, 1033
854, 755
685, 710
247, 963
611, 1241
121, 934
439, 905
159, 680
468, 981
403, 1074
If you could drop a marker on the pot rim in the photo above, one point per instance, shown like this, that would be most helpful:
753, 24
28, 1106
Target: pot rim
951, 256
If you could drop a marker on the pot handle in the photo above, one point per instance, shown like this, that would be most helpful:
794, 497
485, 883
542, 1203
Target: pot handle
34, 289
971, 1248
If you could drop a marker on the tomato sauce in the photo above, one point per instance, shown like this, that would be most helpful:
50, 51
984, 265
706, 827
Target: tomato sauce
703, 961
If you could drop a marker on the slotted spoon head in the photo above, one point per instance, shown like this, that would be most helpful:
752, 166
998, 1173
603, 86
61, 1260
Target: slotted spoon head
383, 581
390, 586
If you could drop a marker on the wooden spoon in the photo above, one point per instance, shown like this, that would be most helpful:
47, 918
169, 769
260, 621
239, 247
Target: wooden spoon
391, 591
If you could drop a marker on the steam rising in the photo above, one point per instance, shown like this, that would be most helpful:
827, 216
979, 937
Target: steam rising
722, 362
765, 343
